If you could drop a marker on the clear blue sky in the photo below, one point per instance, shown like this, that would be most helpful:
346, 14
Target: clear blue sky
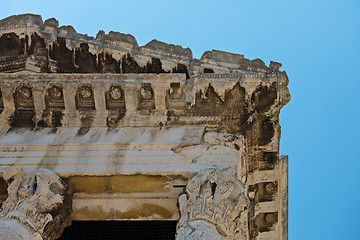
318, 43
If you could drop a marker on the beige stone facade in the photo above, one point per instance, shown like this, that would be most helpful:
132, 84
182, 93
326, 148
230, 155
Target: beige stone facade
138, 132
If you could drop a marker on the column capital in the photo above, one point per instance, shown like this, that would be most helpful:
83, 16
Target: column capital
38, 203
215, 199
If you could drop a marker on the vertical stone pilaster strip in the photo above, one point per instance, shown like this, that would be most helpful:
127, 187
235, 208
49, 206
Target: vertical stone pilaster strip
9, 104
38, 206
160, 94
100, 105
39, 101
71, 114
283, 197
131, 101
160, 103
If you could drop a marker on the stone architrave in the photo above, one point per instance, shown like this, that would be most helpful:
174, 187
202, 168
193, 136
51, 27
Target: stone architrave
38, 206
214, 207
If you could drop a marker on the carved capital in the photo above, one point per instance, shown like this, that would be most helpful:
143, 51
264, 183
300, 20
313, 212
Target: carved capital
38, 203
215, 200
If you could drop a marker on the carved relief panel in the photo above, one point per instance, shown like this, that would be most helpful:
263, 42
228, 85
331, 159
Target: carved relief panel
85, 103
24, 107
219, 198
54, 98
54, 103
115, 103
85, 98
146, 97
175, 97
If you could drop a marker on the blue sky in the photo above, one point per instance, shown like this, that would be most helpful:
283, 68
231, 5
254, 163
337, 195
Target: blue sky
318, 43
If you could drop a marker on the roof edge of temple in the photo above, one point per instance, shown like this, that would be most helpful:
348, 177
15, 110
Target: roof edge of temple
219, 59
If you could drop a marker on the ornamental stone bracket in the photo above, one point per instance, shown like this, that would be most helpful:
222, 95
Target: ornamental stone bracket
214, 207
38, 206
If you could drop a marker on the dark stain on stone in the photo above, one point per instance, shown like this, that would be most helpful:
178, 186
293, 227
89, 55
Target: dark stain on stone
169, 114
22, 118
63, 56
107, 64
83, 130
53, 131
208, 70
1, 103
3, 186
38, 46
114, 117
235, 98
208, 101
266, 161
181, 68
86, 119
264, 222
129, 65
270, 157
85, 60
263, 97
12, 45
266, 131
54, 118
155, 66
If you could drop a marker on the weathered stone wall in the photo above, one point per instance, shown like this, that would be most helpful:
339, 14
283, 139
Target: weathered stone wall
84, 107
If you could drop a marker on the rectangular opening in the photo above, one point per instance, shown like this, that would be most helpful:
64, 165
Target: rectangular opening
124, 230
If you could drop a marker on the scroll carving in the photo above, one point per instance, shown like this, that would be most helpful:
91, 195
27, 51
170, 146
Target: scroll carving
215, 199
38, 205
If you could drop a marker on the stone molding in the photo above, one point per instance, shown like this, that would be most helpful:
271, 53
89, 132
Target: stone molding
113, 48
39, 201
217, 197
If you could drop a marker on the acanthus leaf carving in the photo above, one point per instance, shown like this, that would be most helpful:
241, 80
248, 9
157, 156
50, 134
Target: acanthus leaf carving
219, 198
39, 201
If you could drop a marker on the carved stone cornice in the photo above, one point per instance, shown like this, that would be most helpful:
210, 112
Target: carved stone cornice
39, 202
50, 48
219, 198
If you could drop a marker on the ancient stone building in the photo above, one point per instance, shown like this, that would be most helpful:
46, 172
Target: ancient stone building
103, 129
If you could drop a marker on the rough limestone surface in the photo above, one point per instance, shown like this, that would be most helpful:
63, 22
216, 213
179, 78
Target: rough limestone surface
199, 230
12, 229
37, 206
127, 127
215, 207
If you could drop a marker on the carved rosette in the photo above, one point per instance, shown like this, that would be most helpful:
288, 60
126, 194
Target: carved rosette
38, 205
215, 200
